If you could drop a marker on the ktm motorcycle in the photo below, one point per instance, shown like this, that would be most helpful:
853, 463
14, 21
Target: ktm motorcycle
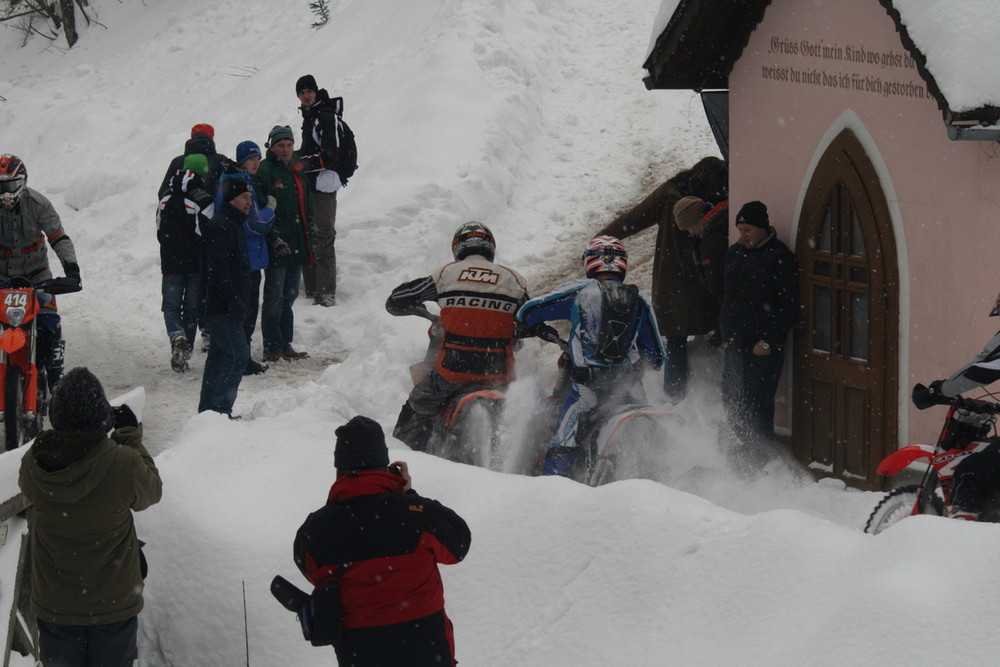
24, 402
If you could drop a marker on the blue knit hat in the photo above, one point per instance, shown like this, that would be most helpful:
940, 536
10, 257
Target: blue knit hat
247, 150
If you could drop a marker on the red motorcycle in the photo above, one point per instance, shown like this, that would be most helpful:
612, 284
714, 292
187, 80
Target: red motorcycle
965, 432
24, 402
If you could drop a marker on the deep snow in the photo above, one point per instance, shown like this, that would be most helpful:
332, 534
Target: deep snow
531, 117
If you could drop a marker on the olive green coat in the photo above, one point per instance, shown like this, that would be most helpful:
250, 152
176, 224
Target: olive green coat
85, 554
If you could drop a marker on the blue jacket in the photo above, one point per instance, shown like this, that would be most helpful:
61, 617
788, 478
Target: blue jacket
258, 224
585, 304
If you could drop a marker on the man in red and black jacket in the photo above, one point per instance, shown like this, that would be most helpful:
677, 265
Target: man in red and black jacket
384, 542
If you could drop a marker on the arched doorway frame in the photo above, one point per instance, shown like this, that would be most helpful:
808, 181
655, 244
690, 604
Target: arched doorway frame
849, 120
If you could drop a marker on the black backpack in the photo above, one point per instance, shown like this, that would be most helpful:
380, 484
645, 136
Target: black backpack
618, 326
347, 156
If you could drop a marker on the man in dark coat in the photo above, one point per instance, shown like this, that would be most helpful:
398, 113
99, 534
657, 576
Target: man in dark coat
179, 219
682, 305
383, 542
86, 567
320, 145
226, 285
760, 306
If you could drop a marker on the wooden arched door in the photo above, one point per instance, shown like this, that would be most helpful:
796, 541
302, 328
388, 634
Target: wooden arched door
845, 365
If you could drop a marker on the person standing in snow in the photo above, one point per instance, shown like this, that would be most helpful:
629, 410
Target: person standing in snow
759, 307
202, 141
87, 569
258, 224
27, 221
612, 330
683, 306
179, 220
383, 543
280, 176
320, 144
226, 281
478, 300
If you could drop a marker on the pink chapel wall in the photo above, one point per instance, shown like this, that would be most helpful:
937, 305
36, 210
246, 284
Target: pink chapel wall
800, 81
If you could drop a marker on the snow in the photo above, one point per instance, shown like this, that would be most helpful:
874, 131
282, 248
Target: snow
958, 39
528, 116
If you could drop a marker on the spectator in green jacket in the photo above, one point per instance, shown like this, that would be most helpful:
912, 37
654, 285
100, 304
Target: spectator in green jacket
280, 176
86, 565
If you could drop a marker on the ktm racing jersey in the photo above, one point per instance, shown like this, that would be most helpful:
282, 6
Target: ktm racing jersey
478, 300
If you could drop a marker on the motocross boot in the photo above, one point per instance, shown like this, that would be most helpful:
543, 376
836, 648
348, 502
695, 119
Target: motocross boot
56, 364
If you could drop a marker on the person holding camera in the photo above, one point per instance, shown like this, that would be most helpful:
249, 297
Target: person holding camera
87, 568
382, 543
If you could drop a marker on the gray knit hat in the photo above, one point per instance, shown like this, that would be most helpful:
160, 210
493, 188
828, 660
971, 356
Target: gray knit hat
79, 405
687, 212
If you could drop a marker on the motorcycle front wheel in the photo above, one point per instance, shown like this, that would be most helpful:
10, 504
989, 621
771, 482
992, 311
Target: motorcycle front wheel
13, 401
893, 508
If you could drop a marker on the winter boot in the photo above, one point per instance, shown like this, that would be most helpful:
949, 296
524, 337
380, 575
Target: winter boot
206, 341
56, 363
254, 368
179, 352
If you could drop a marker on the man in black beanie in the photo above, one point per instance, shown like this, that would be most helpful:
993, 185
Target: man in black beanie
322, 141
759, 308
86, 573
382, 542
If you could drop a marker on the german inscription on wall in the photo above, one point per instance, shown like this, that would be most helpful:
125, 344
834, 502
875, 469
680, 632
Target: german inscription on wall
848, 67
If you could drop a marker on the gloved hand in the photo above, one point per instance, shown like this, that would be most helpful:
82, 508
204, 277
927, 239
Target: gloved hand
70, 283
924, 397
200, 197
272, 203
280, 247
544, 331
124, 416
237, 311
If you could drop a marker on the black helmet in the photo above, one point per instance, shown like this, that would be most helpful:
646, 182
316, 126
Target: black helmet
473, 238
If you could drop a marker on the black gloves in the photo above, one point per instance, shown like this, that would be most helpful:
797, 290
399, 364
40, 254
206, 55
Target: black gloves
544, 331
924, 397
237, 311
124, 416
201, 198
280, 247
70, 283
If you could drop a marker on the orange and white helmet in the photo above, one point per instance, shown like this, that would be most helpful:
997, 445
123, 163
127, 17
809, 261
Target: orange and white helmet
605, 255
13, 179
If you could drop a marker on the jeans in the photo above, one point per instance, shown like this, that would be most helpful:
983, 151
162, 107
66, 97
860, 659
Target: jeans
109, 645
227, 359
749, 383
181, 301
281, 287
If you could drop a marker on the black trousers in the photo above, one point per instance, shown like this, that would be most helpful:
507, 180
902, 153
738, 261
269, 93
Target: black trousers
109, 645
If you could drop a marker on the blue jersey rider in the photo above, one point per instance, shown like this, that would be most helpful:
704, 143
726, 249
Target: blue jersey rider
612, 329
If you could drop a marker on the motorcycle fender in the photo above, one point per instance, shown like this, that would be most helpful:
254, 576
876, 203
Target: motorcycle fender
451, 415
13, 339
898, 460
611, 426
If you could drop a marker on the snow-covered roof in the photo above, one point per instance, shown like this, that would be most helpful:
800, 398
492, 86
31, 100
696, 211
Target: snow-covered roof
695, 43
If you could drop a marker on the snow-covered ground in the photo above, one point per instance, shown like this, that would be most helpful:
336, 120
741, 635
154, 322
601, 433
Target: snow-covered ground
528, 116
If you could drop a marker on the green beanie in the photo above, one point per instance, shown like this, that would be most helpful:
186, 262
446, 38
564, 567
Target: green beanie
197, 163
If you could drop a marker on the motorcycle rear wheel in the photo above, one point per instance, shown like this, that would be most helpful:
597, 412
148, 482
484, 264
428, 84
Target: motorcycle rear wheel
893, 508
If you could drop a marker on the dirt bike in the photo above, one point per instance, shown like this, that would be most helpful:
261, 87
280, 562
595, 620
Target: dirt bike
467, 430
617, 440
24, 402
965, 432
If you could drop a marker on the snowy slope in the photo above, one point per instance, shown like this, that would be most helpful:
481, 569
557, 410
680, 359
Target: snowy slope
529, 116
